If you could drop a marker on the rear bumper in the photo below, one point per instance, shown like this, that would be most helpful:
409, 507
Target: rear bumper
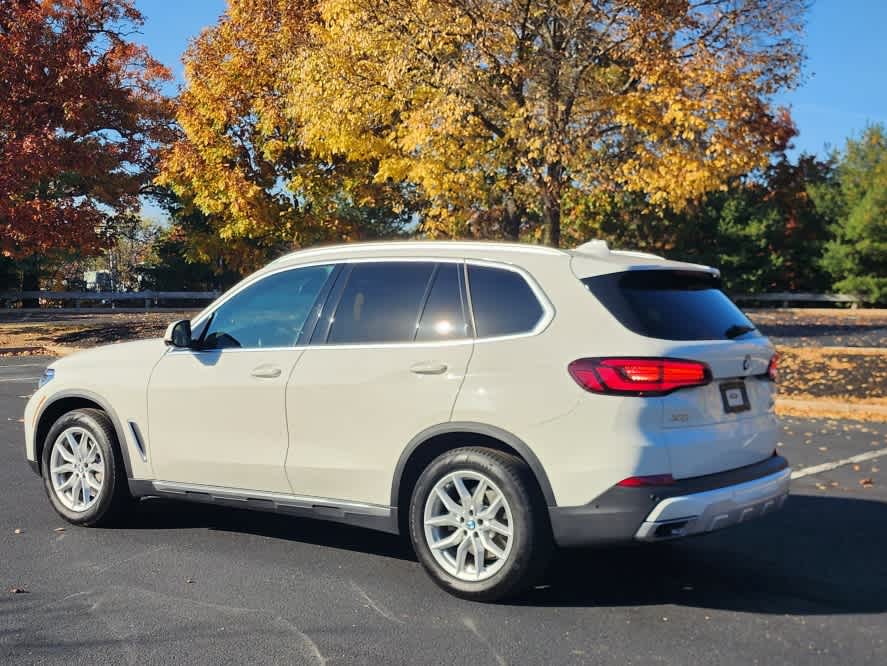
689, 506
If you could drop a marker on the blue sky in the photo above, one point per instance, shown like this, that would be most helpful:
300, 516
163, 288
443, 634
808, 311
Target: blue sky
844, 86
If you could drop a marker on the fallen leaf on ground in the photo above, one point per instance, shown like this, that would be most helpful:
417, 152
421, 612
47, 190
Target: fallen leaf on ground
59, 529
18, 530
856, 468
17, 590
822, 486
866, 483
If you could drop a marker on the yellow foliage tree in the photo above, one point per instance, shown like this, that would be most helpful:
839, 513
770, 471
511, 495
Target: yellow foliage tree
239, 158
503, 107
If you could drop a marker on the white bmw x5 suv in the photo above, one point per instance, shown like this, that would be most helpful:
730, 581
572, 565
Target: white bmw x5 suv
489, 399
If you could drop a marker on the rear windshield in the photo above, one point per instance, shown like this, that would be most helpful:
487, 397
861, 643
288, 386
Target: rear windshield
671, 305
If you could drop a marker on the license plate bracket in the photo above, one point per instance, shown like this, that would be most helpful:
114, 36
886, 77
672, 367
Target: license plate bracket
735, 397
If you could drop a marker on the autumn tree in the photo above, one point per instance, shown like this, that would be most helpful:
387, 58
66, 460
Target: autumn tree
81, 117
241, 160
511, 106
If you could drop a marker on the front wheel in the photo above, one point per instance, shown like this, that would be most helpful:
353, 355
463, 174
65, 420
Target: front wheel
83, 472
478, 524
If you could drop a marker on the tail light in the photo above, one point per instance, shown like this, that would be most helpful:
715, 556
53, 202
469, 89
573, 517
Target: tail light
646, 481
772, 368
638, 376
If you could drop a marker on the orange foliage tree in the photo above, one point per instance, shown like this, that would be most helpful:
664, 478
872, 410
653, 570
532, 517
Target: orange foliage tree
81, 119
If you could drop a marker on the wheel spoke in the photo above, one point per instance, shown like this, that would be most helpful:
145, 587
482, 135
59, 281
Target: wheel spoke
478, 497
84, 491
493, 508
64, 468
454, 539
478, 552
491, 546
93, 483
69, 483
73, 444
499, 528
445, 520
464, 495
447, 501
67, 455
462, 555
95, 467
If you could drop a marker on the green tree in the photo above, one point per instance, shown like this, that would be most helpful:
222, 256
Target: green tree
857, 257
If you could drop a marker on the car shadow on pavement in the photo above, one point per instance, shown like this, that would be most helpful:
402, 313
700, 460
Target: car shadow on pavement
819, 555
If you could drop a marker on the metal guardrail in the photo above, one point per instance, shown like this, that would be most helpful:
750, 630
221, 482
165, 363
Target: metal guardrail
148, 298
787, 297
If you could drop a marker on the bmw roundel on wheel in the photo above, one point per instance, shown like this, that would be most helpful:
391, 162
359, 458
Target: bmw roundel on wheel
489, 400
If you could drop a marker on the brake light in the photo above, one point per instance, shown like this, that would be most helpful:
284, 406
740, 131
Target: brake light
772, 368
638, 376
642, 481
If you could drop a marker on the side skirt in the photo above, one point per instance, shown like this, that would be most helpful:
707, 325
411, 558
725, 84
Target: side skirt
370, 516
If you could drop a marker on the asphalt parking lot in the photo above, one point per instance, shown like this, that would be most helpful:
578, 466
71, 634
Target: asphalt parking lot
183, 583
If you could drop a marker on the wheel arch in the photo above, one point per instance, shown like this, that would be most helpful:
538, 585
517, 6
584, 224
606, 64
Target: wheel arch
434, 441
66, 401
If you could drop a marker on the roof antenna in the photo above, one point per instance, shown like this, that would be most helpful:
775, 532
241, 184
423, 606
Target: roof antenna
596, 246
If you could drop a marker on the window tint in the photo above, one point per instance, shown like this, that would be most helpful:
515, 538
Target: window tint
381, 302
503, 302
444, 315
671, 305
268, 313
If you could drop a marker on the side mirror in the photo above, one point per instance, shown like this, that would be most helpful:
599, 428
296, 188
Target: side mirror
178, 333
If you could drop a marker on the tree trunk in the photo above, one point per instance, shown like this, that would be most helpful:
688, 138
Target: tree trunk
551, 221
552, 187
511, 220
30, 282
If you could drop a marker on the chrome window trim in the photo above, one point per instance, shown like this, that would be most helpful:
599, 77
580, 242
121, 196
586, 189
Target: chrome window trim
543, 323
548, 310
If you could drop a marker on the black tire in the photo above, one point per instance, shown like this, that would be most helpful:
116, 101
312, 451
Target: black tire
114, 496
532, 541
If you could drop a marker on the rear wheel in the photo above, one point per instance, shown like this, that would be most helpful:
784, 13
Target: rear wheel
83, 472
479, 525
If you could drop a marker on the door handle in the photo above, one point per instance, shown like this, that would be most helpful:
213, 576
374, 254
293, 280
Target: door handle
266, 372
428, 368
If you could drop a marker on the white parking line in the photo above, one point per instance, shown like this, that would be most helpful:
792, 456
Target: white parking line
19, 379
828, 467
23, 365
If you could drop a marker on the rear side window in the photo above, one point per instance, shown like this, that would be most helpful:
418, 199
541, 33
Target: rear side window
671, 305
503, 302
444, 316
380, 302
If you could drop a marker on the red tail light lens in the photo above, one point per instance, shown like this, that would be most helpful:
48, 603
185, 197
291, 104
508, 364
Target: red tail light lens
772, 368
638, 376
642, 481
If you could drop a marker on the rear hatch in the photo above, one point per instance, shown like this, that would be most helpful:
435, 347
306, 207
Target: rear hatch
729, 422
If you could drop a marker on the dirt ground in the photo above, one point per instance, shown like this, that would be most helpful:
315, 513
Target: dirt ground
833, 363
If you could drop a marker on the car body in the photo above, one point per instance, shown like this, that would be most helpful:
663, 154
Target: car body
329, 382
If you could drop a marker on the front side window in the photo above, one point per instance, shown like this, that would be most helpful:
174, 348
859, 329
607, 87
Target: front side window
381, 302
269, 313
503, 302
